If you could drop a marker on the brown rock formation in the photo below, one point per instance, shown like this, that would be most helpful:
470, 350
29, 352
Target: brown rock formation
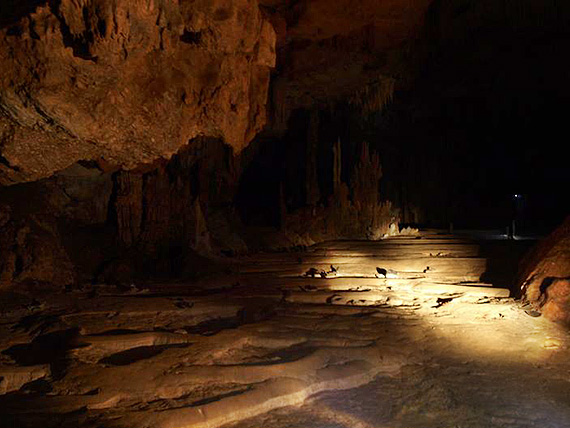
53, 229
84, 224
32, 251
350, 212
128, 82
545, 275
319, 181
139, 124
340, 50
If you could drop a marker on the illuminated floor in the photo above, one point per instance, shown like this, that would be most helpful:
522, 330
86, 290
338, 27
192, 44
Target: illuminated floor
429, 346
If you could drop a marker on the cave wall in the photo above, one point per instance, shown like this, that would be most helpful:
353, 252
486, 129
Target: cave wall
128, 82
52, 230
86, 224
137, 137
89, 224
122, 126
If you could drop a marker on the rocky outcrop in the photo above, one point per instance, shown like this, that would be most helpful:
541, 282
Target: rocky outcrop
126, 83
131, 82
352, 210
86, 224
178, 208
207, 201
52, 231
320, 181
545, 275
32, 252
139, 125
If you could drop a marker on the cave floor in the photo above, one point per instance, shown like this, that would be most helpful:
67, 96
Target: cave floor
434, 344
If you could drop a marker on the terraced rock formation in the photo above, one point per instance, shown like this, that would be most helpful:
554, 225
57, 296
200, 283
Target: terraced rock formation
270, 345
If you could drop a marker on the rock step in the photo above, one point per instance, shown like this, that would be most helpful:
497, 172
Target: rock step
468, 267
387, 250
398, 286
98, 347
12, 378
414, 264
376, 298
291, 387
270, 286
440, 241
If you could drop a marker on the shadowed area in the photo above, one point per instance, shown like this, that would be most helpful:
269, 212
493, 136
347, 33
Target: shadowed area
11, 11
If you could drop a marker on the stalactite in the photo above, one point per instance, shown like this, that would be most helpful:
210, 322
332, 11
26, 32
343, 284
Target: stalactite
375, 96
280, 108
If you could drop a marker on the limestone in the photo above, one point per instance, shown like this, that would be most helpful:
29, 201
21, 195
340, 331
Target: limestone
339, 51
193, 355
95, 348
271, 394
544, 275
12, 378
128, 83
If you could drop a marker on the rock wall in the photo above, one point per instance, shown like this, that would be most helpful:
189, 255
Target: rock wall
545, 275
32, 251
126, 83
54, 231
179, 219
320, 181
135, 139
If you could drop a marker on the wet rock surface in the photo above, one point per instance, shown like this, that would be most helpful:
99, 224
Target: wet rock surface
280, 349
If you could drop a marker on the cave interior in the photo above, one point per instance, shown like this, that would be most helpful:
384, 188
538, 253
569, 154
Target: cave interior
278, 213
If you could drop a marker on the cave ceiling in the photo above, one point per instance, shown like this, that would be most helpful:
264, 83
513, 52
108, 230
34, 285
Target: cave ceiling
128, 82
